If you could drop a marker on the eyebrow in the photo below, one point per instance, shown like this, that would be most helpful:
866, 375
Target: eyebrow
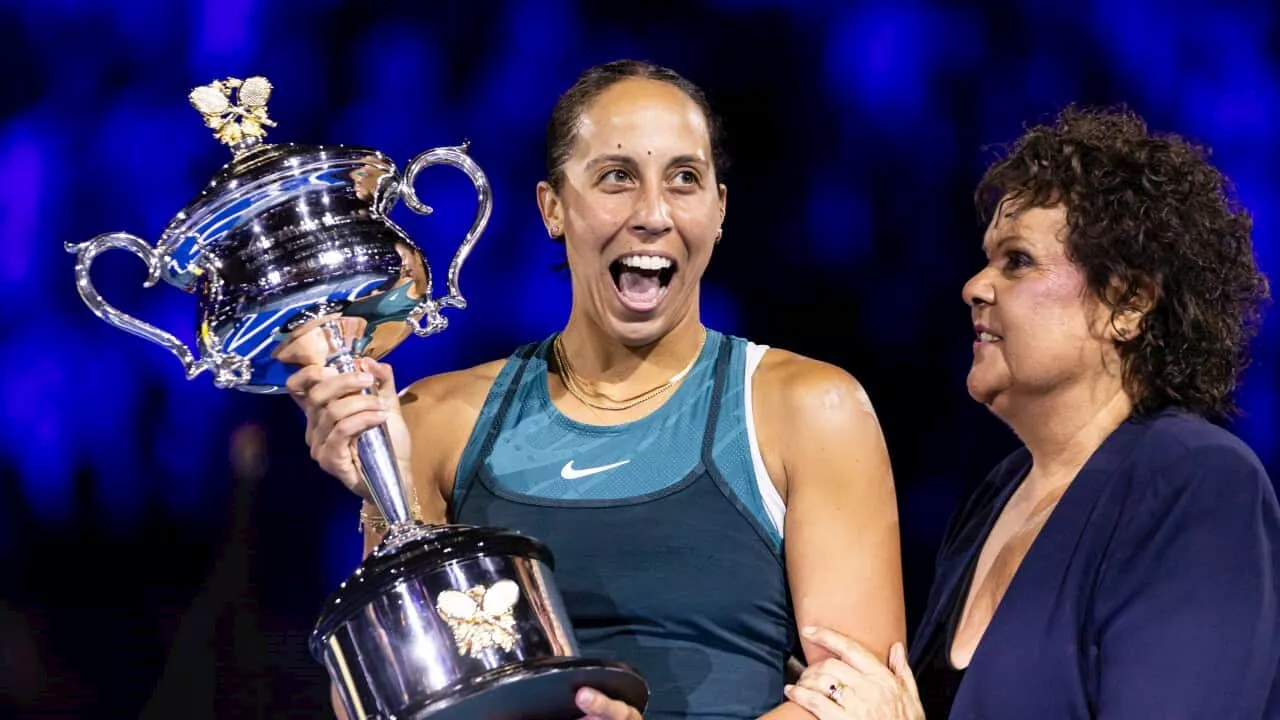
687, 160
630, 161
1002, 241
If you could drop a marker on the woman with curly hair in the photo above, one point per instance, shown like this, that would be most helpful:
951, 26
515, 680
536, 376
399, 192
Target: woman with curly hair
1125, 562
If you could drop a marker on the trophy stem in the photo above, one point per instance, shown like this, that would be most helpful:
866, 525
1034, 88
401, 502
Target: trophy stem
376, 458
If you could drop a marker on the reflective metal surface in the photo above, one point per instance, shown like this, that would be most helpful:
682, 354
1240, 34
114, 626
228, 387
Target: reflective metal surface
408, 651
375, 456
286, 235
303, 235
459, 622
294, 260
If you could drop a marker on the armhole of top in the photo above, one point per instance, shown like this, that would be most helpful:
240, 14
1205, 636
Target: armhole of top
471, 458
774, 507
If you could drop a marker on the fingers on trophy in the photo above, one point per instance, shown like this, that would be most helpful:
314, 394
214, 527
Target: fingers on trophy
294, 260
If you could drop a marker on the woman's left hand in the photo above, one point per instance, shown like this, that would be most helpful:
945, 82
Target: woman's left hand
856, 684
599, 707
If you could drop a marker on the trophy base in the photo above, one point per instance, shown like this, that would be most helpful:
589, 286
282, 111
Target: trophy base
541, 689
501, 649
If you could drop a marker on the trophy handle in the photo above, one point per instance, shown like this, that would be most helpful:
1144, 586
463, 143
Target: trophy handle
426, 319
86, 252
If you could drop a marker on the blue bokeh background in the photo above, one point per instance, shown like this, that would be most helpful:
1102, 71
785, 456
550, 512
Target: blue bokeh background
144, 573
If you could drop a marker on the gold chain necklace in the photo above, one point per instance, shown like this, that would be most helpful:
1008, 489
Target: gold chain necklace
575, 388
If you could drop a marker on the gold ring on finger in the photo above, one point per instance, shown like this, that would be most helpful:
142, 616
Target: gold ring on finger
835, 690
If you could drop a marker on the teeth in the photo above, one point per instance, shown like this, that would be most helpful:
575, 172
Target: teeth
646, 262
988, 337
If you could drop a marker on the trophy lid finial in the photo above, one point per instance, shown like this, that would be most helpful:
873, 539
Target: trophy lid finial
239, 124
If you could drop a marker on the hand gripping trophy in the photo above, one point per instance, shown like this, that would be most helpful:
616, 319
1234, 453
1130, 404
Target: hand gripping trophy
439, 621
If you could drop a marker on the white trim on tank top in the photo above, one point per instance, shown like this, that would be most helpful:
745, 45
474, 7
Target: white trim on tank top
774, 507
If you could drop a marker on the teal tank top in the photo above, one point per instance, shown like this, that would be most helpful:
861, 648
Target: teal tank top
665, 553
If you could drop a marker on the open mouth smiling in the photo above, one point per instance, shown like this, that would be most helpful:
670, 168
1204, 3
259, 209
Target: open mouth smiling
642, 279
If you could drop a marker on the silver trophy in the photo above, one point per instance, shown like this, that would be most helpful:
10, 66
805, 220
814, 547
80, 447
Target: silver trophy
293, 257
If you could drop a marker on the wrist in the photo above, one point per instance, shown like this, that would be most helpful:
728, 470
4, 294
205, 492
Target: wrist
371, 517
362, 491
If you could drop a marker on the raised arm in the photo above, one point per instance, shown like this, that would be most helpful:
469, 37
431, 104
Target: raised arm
439, 413
429, 425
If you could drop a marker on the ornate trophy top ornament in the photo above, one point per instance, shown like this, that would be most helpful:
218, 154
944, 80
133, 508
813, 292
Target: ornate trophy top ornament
240, 123
283, 236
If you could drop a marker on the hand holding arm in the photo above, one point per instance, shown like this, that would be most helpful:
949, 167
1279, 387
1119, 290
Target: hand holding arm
856, 684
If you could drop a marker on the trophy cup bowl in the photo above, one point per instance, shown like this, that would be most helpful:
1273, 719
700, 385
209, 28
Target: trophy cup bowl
293, 257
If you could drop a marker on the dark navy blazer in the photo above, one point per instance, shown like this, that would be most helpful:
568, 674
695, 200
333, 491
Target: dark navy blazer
1152, 591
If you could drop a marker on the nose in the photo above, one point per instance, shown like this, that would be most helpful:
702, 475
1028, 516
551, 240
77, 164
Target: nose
979, 290
652, 214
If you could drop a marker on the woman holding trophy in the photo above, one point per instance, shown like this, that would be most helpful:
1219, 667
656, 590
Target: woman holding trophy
662, 462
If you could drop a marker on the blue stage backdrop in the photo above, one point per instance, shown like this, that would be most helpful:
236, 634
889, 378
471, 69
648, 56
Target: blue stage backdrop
154, 529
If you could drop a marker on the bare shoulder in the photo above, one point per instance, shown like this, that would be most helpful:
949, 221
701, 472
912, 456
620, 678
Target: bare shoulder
451, 392
440, 412
812, 419
806, 390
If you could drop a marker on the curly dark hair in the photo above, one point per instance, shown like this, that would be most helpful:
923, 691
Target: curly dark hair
1147, 211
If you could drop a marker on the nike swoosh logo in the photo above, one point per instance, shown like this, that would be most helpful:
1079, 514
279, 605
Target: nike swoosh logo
569, 472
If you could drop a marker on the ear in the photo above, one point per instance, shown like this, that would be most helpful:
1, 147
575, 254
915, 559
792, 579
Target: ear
552, 210
1130, 304
724, 196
